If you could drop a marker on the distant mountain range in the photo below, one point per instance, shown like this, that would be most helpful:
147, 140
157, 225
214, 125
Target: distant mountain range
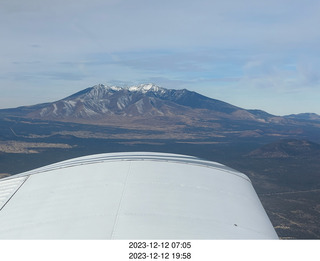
151, 106
101, 101
304, 116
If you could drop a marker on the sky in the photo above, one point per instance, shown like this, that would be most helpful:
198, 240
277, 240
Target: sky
255, 54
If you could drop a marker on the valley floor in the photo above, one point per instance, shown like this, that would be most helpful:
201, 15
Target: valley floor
294, 212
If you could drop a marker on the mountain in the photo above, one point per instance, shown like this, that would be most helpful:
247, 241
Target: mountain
103, 102
304, 116
179, 114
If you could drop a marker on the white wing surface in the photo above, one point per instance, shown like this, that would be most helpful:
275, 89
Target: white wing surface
132, 196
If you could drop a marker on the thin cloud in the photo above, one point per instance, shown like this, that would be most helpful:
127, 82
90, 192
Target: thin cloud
225, 48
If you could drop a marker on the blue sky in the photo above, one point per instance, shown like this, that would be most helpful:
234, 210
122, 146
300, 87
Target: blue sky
253, 54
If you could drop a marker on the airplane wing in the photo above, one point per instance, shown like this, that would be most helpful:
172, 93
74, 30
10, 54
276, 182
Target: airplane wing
132, 196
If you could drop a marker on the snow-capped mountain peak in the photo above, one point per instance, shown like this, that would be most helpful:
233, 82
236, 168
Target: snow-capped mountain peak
105, 88
145, 100
146, 87
143, 88
104, 92
102, 100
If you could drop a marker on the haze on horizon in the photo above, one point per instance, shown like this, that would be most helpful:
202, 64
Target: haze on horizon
252, 54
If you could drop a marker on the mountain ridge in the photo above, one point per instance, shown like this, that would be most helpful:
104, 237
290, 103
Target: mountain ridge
304, 116
135, 101
102, 100
175, 113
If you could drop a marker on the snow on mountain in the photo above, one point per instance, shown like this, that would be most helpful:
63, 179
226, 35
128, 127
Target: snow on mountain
145, 101
102, 100
146, 88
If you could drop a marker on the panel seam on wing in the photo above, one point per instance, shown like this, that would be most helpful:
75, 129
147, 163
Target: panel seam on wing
15, 190
120, 202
